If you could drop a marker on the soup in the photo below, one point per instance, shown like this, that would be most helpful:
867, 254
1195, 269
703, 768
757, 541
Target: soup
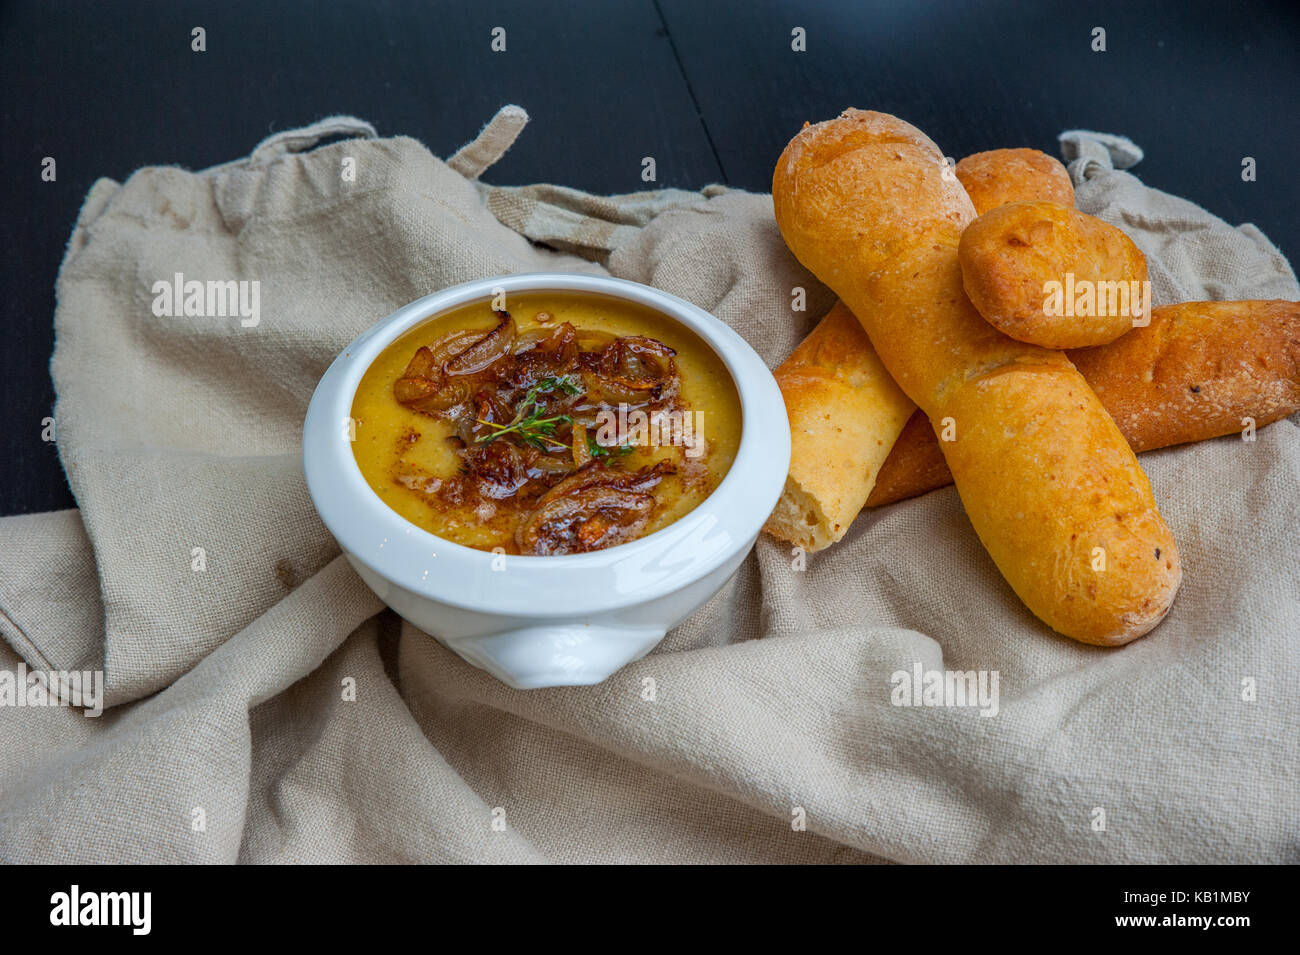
561, 424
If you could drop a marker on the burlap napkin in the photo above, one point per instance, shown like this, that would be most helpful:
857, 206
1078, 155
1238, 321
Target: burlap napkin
263, 708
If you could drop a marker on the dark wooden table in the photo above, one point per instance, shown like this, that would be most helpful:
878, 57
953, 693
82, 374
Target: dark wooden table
712, 90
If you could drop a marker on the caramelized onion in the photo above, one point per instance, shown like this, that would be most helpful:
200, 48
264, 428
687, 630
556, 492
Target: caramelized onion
585, 415
440, 376
550, 352
637, 361
591, 339
450, 345
549, 466
634, 370
595, 473
422, 364
581, 453
432, 395
423, 386
408, 391
588, 520
532, 338
566, 499
609, 391
463, 423
488, 406
594, 508
494, 345
498, 469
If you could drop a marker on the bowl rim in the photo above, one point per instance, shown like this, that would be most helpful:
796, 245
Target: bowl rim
665, 561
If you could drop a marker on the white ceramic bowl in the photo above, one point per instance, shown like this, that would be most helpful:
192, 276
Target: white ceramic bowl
548, 621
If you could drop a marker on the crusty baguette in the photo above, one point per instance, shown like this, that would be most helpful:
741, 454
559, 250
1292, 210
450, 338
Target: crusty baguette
845, 413
991, 179
1013, 255
915, 465
818, 503
868, 204
1198, 371
1000, 176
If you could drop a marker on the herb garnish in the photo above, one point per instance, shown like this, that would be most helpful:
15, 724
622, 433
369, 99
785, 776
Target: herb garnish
528, 423
598, 450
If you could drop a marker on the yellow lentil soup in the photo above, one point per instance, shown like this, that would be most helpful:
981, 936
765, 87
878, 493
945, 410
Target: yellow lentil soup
564, 423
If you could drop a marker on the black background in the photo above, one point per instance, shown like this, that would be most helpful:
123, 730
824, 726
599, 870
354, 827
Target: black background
712, 90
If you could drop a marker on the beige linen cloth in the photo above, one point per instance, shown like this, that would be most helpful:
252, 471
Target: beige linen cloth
231, 734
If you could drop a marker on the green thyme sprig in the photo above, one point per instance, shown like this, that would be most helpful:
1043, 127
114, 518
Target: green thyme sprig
598, 450
528, 423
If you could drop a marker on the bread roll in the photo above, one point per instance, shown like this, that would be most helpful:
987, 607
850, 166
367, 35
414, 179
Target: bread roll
845, 413
1198, 371
868, 204
1050, 275
999, 176
915, 465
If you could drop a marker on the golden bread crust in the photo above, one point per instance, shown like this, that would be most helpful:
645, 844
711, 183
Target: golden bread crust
1012, 255
1198, 371
870, 206
845, 413
999, 176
